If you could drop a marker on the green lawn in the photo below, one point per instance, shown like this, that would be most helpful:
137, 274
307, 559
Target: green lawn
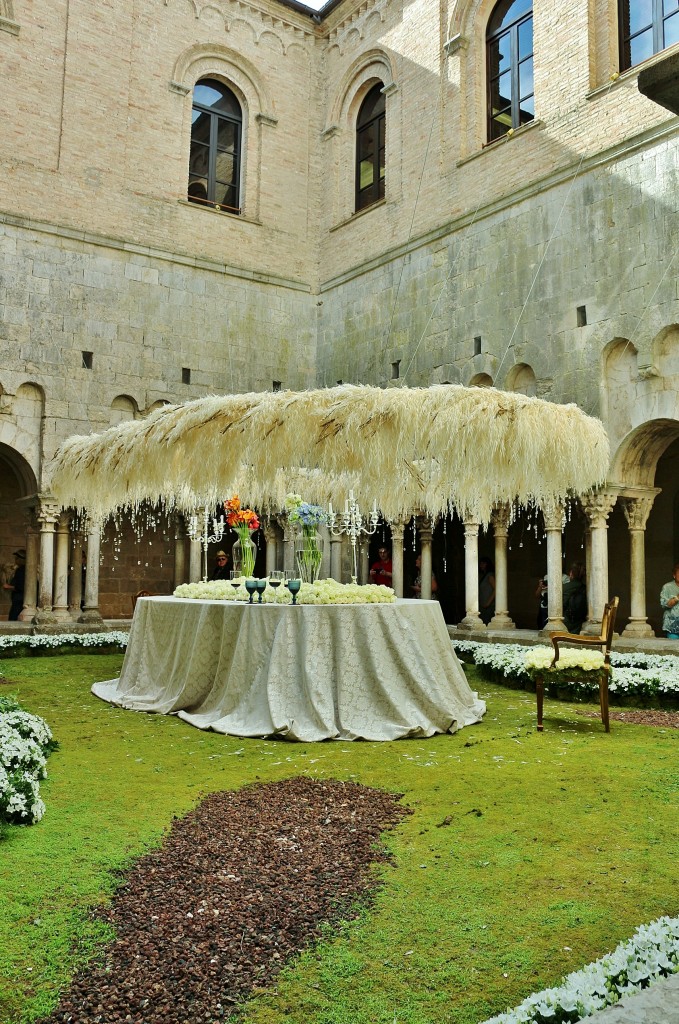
527, 856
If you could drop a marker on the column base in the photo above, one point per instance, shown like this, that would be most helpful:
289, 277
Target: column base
638, 627
91, 615
28, 614
501, 620
44, 617
472, 621
553, 626
62, 615
592, 627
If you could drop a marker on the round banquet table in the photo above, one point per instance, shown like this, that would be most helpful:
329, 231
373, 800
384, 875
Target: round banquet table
305, 672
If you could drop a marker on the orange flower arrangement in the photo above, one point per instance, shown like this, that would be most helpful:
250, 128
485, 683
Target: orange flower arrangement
236, 516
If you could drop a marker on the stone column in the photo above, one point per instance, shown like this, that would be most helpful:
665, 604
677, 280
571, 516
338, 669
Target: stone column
362, 557
289, 534
636, 513
90, 612
195, 561
426, 535
397, 532
271, 538
48, 516
75, 577
179, 572
597, 508
553, 517
30, 608
472, 619
336, 558
500, 521
60, 608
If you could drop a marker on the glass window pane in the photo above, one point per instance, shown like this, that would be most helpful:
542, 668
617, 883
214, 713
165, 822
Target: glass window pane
199, 160
507, 12
672, 30
526, 110
200, 126
499, 53
669, 6
641, 47
372, 105
498, 128
197, 191
501, 91
638, 14
227, 135
213, 94
225, 169
225, 195
525, 33
365, 174
526, 78
382, 162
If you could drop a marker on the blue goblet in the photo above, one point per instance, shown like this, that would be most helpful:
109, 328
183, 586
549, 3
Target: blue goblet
261, 587
293, 586
251, 587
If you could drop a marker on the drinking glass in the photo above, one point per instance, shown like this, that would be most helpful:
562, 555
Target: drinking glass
261, 587
275, 580
235, 579
251, 587
293, 586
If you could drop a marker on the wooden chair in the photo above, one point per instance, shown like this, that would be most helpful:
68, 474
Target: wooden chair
135, 597
603, 641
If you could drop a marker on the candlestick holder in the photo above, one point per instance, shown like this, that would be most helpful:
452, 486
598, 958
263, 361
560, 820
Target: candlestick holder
199, 528
354, 524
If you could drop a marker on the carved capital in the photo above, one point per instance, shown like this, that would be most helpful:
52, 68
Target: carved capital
48, 515
553, 516
398, 528
471, 528
500, 519
637, 511
597, 507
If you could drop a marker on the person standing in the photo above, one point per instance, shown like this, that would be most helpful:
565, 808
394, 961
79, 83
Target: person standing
16, 586
486, 589
220, 569
381, 570
575, 598
669, 602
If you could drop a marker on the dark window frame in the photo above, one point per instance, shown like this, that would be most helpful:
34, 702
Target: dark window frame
493, 38
657, 25
375, 191
216, 119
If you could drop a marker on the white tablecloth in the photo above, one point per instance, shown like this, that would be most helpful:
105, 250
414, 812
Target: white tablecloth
311, 672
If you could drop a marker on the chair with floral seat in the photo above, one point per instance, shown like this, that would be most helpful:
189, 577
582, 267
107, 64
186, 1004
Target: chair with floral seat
603, 641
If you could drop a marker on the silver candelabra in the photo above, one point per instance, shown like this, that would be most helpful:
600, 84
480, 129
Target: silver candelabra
198, 530
352, 523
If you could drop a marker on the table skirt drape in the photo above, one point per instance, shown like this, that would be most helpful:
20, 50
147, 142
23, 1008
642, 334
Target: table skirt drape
311, 672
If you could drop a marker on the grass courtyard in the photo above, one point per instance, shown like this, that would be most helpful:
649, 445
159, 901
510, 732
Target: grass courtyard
526, 857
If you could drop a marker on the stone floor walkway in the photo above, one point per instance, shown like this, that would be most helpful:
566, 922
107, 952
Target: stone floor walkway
658, 1004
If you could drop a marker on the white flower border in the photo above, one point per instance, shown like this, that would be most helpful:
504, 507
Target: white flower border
652, 953
117, 638
634, 674
321, 592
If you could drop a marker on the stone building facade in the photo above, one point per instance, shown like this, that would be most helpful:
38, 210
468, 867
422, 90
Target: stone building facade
543, 261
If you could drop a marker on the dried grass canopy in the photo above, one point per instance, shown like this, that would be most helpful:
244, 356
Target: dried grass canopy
432, 449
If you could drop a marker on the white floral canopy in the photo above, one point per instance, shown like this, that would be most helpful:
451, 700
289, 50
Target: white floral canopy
428, 449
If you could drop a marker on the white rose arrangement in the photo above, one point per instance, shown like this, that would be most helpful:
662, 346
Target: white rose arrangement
320, 592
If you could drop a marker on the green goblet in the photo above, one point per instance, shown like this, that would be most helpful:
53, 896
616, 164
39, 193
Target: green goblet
251, 587
293, 586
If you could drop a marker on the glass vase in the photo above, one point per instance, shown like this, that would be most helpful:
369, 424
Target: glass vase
308, 556
244, 553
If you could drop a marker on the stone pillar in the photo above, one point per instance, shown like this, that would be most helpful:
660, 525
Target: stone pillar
336, 558
271, 538
75, 577
363, 560
60, 608
636, 513
397, 532
597, 508
289, 535
500, 521
472, 619
553, 517
90, 612
179, 572
48, 516
195, 561
30, 608
426, 534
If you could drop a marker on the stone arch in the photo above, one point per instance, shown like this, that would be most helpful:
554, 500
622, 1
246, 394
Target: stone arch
522, 380
160, 403
372, 66
665, 351
619, 370
202, 59
13, 462
123, 408
635, 461
481, 380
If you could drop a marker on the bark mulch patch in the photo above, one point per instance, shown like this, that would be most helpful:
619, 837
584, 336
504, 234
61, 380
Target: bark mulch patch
660, 719
240, 885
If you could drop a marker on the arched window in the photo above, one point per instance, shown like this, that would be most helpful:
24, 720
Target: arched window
216, 130
370, 149
646, 27
509, 44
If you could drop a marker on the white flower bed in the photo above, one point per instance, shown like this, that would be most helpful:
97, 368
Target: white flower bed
25, 741
652, 953
116, 638
644, 675
320, 592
